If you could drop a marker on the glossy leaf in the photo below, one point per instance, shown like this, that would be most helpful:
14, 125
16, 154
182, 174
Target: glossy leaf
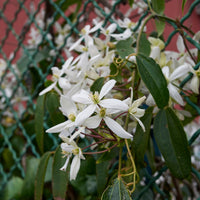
117, 191
172, 142
59, 178
40, 175
141, 138
158, 6
39, 128
97, 85
144, 45
160, 27
154, 79
124, 47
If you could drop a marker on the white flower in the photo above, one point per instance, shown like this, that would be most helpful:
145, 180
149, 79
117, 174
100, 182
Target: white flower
134, 111
95, 100
194, 83
94, 121
70, 148
171, 80
57, 77
69, 109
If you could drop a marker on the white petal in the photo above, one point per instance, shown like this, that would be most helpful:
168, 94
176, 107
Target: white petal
116, 128
194, 85
180, 44
75, 166
76, 43
106, 88
93, 122
67, 106
165, 71
179, 72
112, 27
82, 97
58, 127
87, 112
155, 53
173, 91
64, 167
114, 104
140, 122
67, 63
50, 87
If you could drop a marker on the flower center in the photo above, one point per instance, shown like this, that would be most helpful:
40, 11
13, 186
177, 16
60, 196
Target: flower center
72, 117
75, 151
95, 98
102, 112
198, 72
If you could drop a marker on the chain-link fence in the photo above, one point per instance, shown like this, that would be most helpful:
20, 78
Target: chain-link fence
28, 43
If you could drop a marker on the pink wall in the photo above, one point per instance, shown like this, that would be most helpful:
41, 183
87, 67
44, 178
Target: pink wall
173, 10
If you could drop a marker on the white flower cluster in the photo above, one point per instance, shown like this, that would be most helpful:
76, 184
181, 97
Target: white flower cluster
103, 111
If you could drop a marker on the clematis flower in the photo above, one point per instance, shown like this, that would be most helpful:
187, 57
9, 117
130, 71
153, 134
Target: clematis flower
103, 114
69, 109
171, 80
69, 149
57, 77
95, 101
133, 109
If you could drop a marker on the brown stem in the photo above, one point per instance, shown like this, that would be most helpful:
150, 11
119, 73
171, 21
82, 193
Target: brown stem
97, 152
178, 193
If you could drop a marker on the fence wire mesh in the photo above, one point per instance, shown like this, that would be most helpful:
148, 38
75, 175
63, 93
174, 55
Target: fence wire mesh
21, 74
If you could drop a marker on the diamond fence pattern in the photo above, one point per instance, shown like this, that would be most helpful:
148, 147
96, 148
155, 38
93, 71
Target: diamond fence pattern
22, 96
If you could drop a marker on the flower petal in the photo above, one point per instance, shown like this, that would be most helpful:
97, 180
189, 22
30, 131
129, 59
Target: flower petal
93, 122
75, 166
173, 91
106, 88
180, 71
64, 167
59, 127
117, 128
82, 97
114, 104
87, 112
67, 106
48, 88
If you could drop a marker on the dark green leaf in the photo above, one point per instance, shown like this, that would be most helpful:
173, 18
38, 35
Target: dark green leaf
144, 45
39, 130
140, 194
183, 4
141, 138
28, 185
97, 85
115, 72
154, 79
59, 178
31, 57
124, 47
117, 191
102, 175
158, 6
52, 104
40, 175
172, 142
160, 27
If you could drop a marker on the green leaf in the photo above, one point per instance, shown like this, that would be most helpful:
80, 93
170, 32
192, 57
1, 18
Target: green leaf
40, 175
131, 2
160, 27
29, 56
154, 79
28, 185
59, 178
115, 72
141, 138
39, 128
144, 45
142, 194
13, 189
117, 191
124, 47
158, 6
102, 175
52, 104
97, 85
172, 142
183, 4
